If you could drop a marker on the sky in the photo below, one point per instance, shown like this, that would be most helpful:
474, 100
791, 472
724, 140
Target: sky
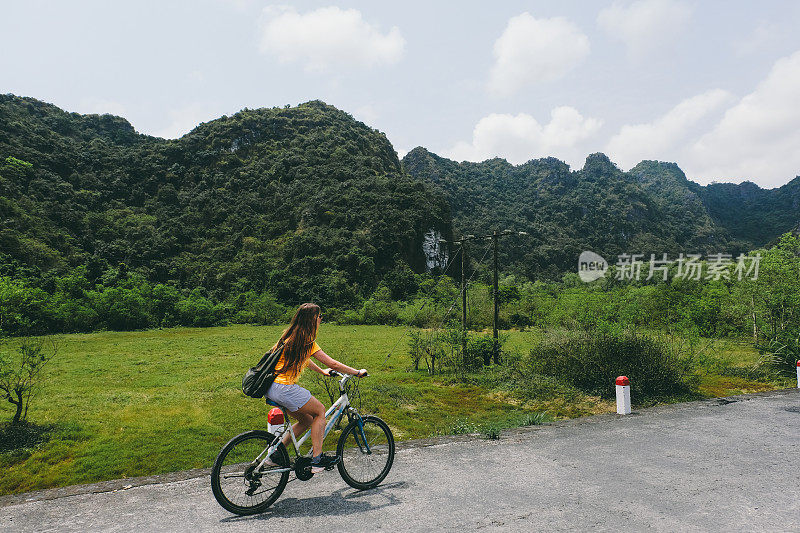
713, 86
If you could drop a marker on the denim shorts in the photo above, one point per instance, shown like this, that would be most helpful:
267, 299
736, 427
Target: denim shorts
292, 397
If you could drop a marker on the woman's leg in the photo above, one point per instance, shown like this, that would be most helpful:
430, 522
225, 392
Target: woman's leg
313, 414
302, 424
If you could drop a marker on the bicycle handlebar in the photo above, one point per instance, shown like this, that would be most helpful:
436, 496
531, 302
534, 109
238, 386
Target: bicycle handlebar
345, 377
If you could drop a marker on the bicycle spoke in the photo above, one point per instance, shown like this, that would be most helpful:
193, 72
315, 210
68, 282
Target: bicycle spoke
238, 484
362, 468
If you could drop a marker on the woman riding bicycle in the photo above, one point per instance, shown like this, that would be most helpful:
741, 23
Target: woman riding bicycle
299, 346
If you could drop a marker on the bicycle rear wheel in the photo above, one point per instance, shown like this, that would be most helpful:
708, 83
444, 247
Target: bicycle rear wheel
237, 483
366, 456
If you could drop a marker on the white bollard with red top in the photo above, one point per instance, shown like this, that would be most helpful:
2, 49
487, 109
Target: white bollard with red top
623, 395
798, 374
274, 420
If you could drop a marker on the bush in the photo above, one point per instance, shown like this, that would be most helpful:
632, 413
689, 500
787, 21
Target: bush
782, 353
401, 282
72, 316
350, 317
590, 360
480, 349
23, 309
520, 320
123, 308
428, 347
254, 308
380, 309
198, 311
442, 350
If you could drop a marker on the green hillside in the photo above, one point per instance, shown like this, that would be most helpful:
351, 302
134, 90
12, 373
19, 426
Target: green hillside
248, 215
304, 203
653, 208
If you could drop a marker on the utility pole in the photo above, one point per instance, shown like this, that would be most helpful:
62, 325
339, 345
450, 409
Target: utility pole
463, 298
496, 345
495, 236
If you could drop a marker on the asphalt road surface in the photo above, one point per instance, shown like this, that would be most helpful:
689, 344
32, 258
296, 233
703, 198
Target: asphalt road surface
719, 465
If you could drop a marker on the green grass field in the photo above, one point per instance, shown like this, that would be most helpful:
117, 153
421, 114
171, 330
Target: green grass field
141, 403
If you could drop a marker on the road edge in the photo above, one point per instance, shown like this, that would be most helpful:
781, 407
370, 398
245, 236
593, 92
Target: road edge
116, 485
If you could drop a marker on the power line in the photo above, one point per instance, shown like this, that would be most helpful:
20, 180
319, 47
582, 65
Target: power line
424, 301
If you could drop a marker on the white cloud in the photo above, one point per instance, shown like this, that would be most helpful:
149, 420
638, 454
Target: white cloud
645, 25
758, 138
659, 139
327, 38
519, 138
532, 50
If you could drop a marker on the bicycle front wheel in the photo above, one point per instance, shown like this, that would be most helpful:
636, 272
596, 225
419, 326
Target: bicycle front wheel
366, 448
238, 484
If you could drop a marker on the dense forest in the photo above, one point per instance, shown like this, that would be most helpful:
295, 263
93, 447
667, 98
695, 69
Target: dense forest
293, 204
653, 208
248, 215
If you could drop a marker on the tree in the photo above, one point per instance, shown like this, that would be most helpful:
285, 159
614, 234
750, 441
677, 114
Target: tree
20, 377
776, 303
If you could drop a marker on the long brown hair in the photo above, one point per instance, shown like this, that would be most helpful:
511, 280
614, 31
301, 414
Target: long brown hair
299, 337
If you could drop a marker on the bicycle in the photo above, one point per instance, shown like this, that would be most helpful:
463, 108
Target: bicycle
244, 484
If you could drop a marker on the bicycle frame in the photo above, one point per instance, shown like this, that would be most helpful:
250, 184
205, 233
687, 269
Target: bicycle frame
334, 412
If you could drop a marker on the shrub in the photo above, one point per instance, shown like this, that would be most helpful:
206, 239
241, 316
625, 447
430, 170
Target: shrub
442, 350
123, 308
590, 360
480, 349
254, 308
782, 353
422, 313
491, 431
23, 309
350, 317
401, 281
72, 316
198, 311
381, 309
428, 347
520, 320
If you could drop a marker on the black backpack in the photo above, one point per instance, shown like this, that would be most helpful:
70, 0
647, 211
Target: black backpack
258, 379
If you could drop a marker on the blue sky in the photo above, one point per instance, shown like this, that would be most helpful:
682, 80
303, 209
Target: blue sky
711, 85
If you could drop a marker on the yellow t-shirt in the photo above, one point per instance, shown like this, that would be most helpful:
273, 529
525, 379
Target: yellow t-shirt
289, 378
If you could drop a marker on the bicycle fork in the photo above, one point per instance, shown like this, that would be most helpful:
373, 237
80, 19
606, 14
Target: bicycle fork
365, 447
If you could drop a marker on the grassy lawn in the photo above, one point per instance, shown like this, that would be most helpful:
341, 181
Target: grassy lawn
141, 403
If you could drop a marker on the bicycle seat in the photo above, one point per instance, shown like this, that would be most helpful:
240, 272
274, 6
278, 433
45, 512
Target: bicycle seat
270, 402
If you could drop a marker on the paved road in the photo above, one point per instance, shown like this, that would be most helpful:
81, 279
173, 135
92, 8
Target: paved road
706, 466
